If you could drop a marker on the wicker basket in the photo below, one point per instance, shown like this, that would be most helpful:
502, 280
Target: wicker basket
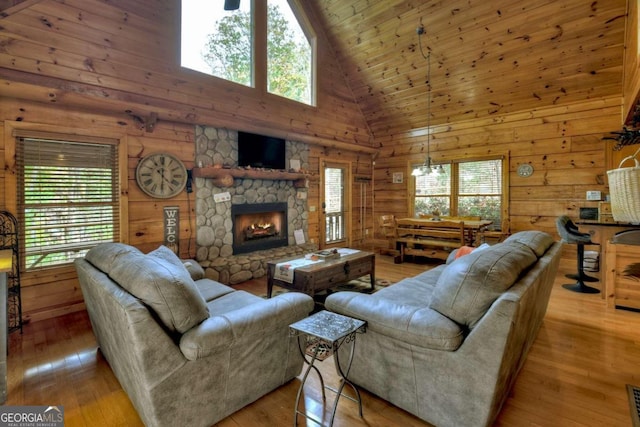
624, 187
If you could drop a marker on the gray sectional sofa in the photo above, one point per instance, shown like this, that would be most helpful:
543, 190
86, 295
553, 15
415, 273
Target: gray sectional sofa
447, 344
187, 350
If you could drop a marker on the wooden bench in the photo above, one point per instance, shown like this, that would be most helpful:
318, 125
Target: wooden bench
433, 239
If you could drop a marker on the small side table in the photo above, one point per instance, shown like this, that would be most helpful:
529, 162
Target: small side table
320, 336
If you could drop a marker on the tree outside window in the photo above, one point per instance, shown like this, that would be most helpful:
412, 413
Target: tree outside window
228, 49
289, 54
221, 43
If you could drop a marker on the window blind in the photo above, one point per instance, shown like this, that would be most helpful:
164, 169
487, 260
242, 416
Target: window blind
68, 198
482, 178
465, 188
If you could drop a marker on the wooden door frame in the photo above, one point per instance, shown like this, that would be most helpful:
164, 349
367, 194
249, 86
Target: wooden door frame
348, 205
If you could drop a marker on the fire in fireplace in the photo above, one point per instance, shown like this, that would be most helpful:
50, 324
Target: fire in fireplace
259, 226
260, 230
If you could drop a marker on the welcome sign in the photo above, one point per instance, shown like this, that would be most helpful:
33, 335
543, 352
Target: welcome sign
172, 228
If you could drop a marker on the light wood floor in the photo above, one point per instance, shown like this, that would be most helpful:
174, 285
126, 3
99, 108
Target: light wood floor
575, 374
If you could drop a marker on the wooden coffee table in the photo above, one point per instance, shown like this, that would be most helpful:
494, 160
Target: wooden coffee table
325, 274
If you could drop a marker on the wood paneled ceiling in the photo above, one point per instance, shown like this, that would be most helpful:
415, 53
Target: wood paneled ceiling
488, 57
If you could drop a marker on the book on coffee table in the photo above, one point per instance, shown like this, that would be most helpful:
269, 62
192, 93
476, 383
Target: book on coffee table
327, 254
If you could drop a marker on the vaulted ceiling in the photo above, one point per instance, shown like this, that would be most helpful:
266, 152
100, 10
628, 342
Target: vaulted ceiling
488, 57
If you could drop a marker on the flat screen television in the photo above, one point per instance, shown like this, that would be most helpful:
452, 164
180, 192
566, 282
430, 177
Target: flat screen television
260, 151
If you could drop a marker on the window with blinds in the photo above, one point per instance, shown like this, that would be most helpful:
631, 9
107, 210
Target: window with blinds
463, 188
68, 198
433, 193
480, 190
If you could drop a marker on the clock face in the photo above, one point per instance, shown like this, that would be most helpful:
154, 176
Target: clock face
161, 175
525, 170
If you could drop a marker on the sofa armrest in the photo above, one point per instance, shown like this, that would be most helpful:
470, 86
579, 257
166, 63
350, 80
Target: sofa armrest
415, 325
219, 333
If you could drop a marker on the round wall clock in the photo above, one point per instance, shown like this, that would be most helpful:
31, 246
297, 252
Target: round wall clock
525, 170
161, 175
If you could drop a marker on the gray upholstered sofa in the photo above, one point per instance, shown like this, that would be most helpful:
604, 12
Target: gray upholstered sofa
447, 344
187, 352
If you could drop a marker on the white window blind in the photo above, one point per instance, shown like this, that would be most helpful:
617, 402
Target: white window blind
68, 198
464, 188
480, 190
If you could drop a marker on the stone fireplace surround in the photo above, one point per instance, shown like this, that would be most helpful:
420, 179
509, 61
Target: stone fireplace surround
214, 227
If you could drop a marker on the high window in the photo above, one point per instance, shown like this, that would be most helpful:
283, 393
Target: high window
240, 45
463, 188
68, 198
216, 41
289, 54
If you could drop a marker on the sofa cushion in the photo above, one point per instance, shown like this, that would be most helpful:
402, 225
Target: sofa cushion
538, 241
412, 324
195, 270
164, 284
210, 289
467, 287
105, 255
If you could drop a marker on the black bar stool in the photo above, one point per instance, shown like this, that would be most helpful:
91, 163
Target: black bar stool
570, 234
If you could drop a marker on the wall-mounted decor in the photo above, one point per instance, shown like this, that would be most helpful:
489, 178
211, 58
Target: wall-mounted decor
397, 177
161, 175
525, 170
172, 228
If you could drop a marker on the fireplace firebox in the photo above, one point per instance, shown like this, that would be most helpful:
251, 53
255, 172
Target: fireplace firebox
259, 226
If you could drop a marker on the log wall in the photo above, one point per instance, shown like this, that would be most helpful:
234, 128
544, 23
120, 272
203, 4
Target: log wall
563, 144
122, 56
631, 72
103, 67
56, 291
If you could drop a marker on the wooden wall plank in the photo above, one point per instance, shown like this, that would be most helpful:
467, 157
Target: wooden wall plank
48, 292
487, 59
99, 59
565, 148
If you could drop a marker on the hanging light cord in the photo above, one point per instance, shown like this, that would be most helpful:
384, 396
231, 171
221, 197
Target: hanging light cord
420, 31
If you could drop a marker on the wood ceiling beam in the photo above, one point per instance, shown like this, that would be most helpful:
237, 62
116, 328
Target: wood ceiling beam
51, 90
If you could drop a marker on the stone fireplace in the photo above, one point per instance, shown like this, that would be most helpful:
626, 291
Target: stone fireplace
215, 233
259, 226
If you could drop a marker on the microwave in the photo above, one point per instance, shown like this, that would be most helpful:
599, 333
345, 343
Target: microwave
589, 213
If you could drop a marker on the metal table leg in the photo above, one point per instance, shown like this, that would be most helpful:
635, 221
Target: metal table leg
310, 366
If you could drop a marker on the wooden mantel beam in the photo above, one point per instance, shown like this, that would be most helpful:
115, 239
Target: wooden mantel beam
43, 89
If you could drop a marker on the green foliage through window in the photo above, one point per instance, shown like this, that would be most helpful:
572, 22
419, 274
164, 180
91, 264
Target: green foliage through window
222, 43
288, 54
228, 48
479, 193
67, 197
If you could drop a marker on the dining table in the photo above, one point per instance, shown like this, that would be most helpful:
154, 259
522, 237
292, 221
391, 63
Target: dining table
471, 226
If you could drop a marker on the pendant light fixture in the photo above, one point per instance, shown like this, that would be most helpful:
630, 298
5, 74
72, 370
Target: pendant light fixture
426, 168
231, 4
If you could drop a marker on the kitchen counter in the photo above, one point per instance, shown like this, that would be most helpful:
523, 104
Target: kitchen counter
601, 233
587, 222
